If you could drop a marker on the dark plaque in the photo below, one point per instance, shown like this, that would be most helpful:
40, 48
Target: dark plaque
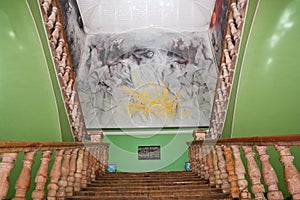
149, 152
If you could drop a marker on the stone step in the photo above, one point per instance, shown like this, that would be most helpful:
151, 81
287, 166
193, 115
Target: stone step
149, 186
121, 181
187, 191
153, 184
147, 197
94, 186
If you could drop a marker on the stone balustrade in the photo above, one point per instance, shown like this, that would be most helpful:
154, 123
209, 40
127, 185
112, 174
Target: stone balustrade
74, 166
227, 171
57, 39
234, 25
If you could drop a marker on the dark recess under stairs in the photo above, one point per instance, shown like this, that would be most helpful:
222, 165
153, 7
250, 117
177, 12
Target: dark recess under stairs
149, 185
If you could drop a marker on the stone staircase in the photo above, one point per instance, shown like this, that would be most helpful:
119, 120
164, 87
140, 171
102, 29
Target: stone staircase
149, 185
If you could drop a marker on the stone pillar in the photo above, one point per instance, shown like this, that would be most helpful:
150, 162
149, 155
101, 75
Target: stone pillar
269, 174
96, 136
254, 173
199, 134
291, 174
240, 172
55, 175
23, 181
5, 167
41, 177
232, 177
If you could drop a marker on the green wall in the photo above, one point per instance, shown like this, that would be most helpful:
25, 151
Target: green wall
30, 96
267, 94
123, 151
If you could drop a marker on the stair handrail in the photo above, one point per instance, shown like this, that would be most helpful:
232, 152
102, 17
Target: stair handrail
75, 164
281, 140
227, 68
54, 26
219, 162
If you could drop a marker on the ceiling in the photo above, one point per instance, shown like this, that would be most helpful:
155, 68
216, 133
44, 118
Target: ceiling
115, 16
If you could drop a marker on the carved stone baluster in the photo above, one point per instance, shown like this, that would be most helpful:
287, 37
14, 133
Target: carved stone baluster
66, 76
63, 182
254, 173
241, 4
191, 156
46, 5
105, 159
23, 181
222, 167
71, 102
41, 177
240, 172
202, 164
217, 172
233, 29
55, 34
102, 165
84, 168
59, 49
90, 166
232, 178
291, 174
5, 167
230, 45
68, 94
71, 176
269, 174
55, 175
227, 58
78, 173
62, 63
236, 13
97, 160
225, 73
198, 161
52, 18
205, 162
212, 179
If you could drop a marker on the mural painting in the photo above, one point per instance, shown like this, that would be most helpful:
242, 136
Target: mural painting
146, 78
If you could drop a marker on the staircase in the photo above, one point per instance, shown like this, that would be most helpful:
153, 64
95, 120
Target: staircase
149, 185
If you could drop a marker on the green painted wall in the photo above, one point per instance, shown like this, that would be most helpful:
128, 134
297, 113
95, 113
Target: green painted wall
267, 95
123, 151
30, 96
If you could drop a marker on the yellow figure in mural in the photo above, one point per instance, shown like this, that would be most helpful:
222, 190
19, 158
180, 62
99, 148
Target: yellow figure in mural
153, 99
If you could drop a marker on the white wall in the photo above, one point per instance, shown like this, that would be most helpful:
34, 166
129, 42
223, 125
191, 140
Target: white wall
114, 16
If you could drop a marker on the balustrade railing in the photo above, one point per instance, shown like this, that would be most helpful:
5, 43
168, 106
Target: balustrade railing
74, 166
230, 46
58, 43
219, 162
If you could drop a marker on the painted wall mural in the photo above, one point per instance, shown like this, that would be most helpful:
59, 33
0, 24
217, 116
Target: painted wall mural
146, 78
217, 27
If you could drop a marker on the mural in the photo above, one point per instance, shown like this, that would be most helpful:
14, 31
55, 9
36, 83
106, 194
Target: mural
217, 27
146, 78
73, 26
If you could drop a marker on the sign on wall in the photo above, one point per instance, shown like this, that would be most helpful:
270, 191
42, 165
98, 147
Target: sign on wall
149, 152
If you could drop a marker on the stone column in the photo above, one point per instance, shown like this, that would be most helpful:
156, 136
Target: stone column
269, 174
291, 174
240, 172
6, 166
96, 136
254, 173
23, 181
41, 177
